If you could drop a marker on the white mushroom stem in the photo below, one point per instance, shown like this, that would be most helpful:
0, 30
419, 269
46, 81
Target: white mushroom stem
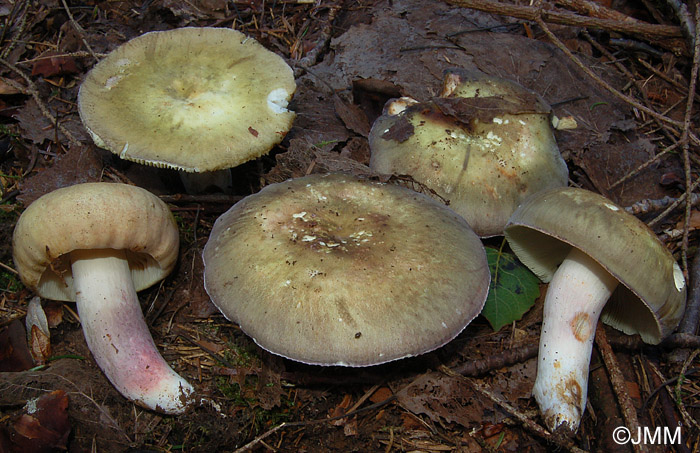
118, 336
575, 298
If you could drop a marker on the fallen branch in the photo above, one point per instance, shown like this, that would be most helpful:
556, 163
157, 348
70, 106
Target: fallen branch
629, 413
496, 361
559, 441
567, 18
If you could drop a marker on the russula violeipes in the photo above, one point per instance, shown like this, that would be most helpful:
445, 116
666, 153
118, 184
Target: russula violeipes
484, 144
97, 244
192, 99
591, 252
334, 270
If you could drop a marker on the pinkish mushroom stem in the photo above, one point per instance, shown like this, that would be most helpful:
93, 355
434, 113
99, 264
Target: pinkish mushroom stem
117, 335
575, 298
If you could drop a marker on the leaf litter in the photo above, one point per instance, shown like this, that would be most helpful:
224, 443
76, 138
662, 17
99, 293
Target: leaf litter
371, 52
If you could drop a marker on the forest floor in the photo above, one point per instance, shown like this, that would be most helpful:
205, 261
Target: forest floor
624, 74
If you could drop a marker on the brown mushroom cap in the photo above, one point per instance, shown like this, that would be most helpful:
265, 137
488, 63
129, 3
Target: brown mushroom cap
651, 298
93, 216
193, 99
485, 144
333, 270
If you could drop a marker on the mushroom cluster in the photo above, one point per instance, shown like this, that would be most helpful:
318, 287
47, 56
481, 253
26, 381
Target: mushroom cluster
98, 244
192, 99
334, 270
595, 254
484, 144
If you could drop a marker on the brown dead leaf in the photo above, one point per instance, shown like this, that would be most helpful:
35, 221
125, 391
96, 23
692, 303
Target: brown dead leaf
605, 163
357, 149
269, 388
352, 116
39, 129
303, 158
78, 165
51, 66
341, 409
54, 313
350, 427
44, 427
382, 394
694, 221
442, 397
410, 423
6, 88
14, 353
39, 345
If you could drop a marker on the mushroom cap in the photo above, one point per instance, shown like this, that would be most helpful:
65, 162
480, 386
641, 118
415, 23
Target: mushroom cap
193, 99
333, 270
651, 298
93, 216
484, 145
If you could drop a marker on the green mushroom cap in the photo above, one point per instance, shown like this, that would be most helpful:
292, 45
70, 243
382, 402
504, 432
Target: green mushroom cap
192, 99
484, 145
651, 298
334, 270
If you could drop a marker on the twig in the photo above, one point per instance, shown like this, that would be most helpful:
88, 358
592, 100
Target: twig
8, 268
674, 205
647, 205
686, 21
560, 441
567, 18
496, 361
595, 9
618, 384
686, 143
22, 25
666, 77
644, 165
557, 42
213, 198
312, 55
32, 90
691, 317
689, 420
317, 421
79, 29
78, 54
99, 407
673, 341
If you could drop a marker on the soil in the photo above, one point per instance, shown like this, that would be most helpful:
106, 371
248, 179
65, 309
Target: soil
349, 58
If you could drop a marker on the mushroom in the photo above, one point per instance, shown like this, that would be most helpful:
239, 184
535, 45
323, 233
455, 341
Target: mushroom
192, 99
591, 252
334, 270
484, 145
97, 244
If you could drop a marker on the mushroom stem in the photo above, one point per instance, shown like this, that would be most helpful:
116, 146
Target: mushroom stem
117, 334
575, 298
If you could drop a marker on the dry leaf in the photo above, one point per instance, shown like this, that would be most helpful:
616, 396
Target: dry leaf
341, 409
39, 345
50, 66
14, 353
443, 397
78, 165
54, 313
44, 426
382, 394
38, 335
6, 88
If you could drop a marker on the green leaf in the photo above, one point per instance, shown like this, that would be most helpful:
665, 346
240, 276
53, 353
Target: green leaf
513, 289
